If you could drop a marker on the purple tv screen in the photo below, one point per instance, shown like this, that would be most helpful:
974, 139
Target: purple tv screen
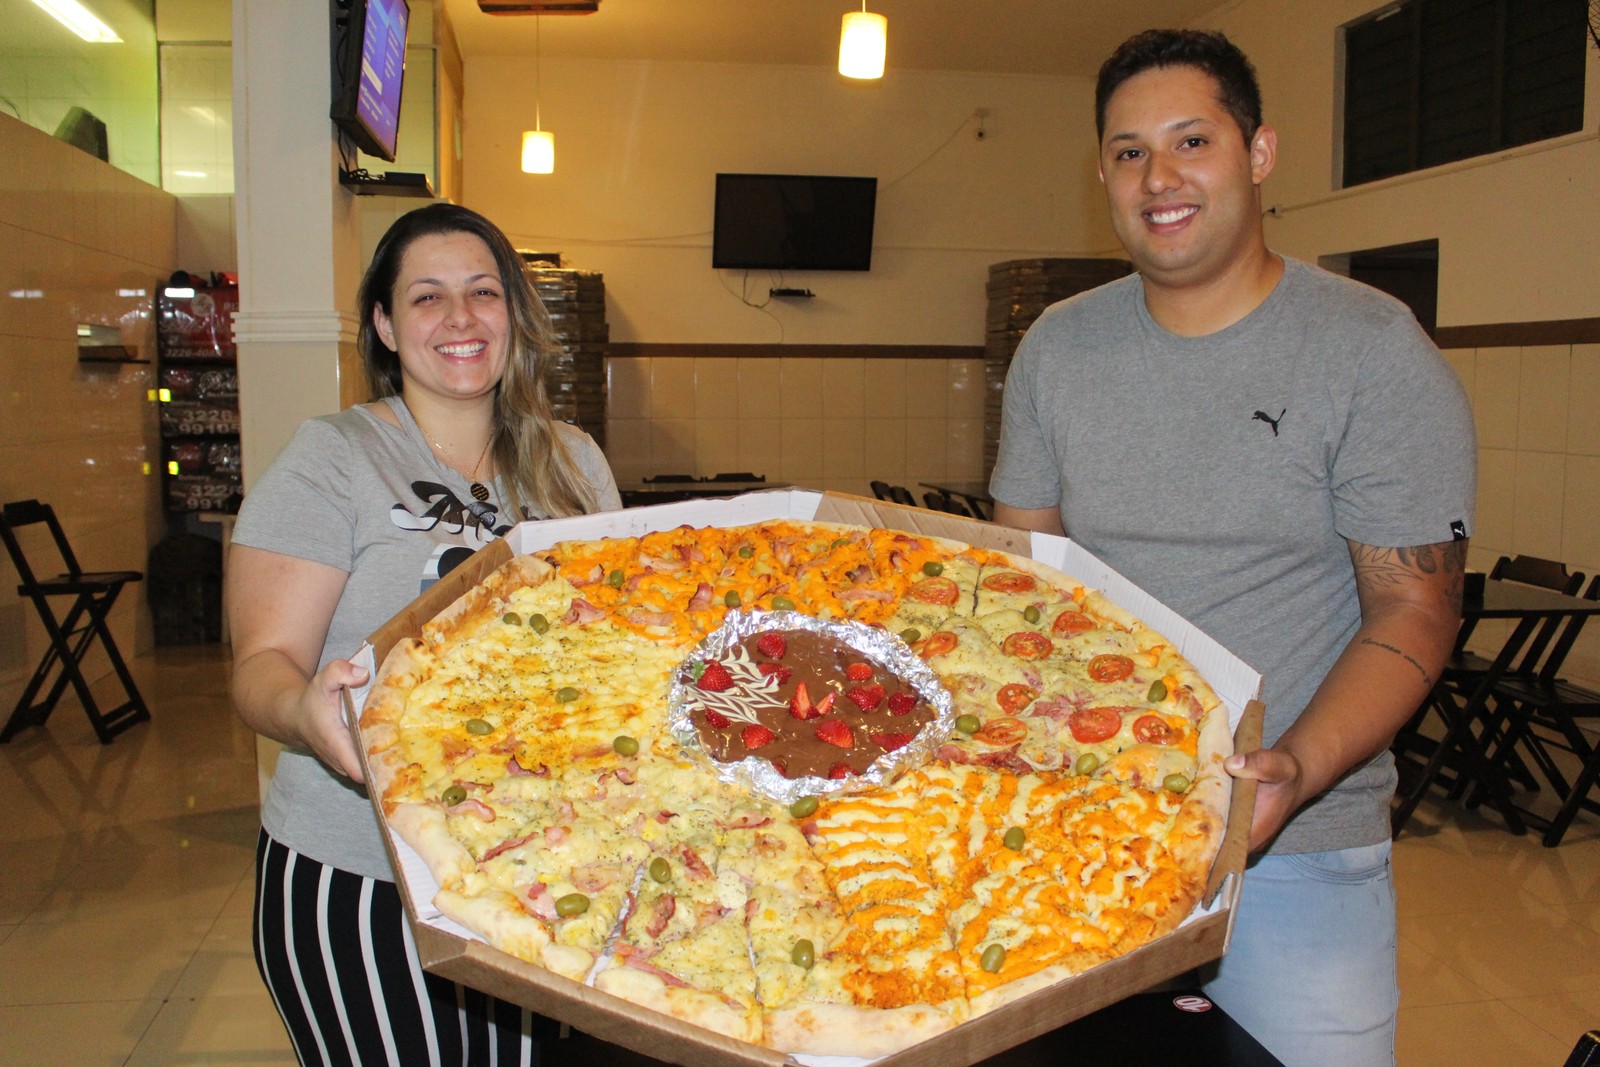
383, 65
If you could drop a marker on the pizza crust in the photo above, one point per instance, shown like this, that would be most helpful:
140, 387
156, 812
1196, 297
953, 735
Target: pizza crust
696, 1006
847, 1030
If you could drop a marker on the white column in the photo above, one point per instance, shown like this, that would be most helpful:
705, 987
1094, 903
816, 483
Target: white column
298, 232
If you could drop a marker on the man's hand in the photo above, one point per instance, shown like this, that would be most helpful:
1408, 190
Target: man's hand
1278, 778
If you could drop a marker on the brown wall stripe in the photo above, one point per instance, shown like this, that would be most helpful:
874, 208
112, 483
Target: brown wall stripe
636, 349
1519, 334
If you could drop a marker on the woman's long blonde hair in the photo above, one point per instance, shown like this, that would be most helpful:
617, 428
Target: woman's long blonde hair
539, 472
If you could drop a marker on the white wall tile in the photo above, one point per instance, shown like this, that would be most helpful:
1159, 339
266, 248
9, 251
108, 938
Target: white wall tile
1495, 403
1537, 512
1542, 398
1583, 429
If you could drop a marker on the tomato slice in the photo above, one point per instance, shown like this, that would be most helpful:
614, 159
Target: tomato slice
1025, 644
1110, 668
1014, 697
1153, 730
1002, 731
1092, 725
1010, 582
937, 644
1071, 624
942, 591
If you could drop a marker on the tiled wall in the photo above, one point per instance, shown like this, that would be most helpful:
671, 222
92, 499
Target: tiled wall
1538, 463
823, 423
84, 243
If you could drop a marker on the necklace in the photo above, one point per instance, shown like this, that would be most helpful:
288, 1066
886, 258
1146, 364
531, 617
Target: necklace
480, 492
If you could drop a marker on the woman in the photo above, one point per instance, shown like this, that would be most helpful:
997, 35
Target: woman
359, 513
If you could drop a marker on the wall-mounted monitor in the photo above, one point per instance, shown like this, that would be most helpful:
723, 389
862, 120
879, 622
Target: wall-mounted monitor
369, 66
793, 222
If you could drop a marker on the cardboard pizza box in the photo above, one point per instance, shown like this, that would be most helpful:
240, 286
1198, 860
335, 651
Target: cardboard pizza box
451, 951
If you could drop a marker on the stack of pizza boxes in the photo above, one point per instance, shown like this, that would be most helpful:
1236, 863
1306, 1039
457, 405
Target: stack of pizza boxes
448, 950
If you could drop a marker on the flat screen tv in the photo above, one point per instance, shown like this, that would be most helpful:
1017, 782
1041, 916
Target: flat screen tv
369, 63
793, 222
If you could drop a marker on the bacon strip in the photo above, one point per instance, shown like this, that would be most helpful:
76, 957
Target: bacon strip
581, 612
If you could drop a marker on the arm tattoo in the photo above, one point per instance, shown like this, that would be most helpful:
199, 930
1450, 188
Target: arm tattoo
1426, 678
1378, 568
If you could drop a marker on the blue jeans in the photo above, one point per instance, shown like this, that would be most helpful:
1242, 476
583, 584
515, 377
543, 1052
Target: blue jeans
1310, 970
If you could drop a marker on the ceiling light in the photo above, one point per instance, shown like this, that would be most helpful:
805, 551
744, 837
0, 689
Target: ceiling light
863, 40
538, 145
80, 20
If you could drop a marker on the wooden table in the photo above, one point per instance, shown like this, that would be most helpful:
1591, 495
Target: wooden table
1469, 724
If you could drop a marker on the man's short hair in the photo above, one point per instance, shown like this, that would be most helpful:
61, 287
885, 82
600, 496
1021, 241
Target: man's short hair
1210, 52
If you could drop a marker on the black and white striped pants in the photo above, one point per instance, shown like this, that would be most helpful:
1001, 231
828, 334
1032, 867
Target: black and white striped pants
338, 958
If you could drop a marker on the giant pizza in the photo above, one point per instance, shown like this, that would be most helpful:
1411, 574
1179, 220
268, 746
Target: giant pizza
822, 788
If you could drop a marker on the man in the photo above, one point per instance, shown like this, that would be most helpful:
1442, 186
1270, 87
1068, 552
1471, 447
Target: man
1281, 456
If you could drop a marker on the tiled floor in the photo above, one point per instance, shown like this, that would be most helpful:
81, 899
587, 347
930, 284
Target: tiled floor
125, 876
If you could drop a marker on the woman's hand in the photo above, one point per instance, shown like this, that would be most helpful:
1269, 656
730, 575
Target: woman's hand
279, 609
321, 715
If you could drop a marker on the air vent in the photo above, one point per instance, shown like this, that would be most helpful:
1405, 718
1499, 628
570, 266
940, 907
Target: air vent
538, 7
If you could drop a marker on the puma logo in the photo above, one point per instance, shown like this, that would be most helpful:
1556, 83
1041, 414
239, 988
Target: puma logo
1269, 420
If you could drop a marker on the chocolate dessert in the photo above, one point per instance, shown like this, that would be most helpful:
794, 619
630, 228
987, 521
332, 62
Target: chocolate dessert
805, 702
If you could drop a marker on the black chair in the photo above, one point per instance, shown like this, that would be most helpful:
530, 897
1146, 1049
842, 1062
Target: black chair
1412, 746
882, 490
1544, 712
934, 500
73, 634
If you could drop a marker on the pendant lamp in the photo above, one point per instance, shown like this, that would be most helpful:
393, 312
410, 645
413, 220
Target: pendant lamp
863, 40
538, 144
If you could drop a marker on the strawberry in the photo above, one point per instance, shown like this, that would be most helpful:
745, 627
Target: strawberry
777, 670
835, 732
902, 704
890, 742
859, 672
800, 705
716, 720
755, 736
866, 697
715, 678
772, 645
838, 771
825, 705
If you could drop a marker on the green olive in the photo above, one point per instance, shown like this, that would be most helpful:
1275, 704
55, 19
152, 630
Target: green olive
511, 618
745, 551
1013, 839
625, 745
1030, 614
782, 603
538, 623
614, 579
1086, 763
968, 724
566, 694
993, 958
803, 807
732, 598
911, 635
1158, 692
804, 954
660, 869
571, 904
453, 795
1175, 783
933, 568
478, 727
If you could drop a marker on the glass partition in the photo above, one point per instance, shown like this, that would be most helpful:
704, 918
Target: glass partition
100, 94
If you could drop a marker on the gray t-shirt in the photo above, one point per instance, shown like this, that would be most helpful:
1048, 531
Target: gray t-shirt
1225, 473
354, 492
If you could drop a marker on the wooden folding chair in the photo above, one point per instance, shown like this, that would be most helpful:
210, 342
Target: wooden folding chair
934, 500
1544, 712
1465, 670
71, 635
